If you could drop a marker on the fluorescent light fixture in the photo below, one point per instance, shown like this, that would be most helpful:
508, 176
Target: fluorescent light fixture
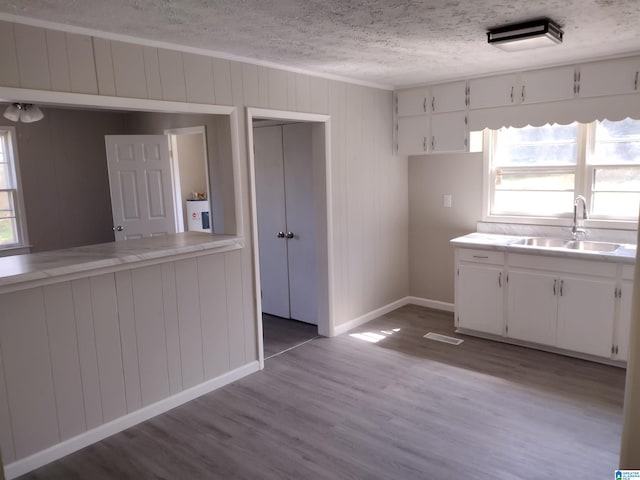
23, 112
526, 36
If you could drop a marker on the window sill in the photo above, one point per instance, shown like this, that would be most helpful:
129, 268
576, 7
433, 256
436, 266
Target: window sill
14, 250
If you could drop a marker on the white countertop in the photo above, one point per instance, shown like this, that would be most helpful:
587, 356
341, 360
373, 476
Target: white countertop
625, 254
43, 265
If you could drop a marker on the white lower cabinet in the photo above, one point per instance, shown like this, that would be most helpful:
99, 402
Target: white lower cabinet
576, 305
479, 291
532, 307
585, 315
623, 314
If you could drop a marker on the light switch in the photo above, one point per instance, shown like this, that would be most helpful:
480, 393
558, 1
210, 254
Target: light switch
446, 200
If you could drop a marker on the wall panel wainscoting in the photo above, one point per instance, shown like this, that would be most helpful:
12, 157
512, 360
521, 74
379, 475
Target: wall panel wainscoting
83, 358
381, 402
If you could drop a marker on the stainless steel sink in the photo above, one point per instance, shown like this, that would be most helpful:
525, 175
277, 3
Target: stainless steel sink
543, 242
592, 246
583, 245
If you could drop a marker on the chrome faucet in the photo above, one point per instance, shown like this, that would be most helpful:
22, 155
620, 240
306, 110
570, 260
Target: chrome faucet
575, 230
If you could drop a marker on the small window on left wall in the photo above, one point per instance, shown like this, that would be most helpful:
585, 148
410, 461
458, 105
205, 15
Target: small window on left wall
12, 221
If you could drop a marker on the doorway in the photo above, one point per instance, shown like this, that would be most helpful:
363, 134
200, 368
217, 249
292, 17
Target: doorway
313, 207
286, 233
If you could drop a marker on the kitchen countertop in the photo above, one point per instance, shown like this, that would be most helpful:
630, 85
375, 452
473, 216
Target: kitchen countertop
45, 265
625, 254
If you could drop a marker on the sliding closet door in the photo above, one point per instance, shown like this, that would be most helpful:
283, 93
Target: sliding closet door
270, 200
298, 182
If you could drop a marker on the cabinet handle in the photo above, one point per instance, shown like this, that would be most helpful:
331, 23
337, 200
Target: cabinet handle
616, 349
512, 87
433, 104
561, 288
554, 287
424, 105
523, 93
433, 143
424, 144
480, 256
635, 82
500, 279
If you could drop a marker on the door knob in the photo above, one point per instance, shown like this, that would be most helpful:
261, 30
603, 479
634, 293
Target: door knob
280, 235
289, 235
118, 228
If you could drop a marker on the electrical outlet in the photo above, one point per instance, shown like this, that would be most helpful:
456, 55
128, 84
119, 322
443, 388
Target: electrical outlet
447, 200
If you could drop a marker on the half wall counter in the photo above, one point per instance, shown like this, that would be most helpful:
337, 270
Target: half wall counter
96, 339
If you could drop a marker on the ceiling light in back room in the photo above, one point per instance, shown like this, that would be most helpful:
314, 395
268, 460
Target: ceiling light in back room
525, 36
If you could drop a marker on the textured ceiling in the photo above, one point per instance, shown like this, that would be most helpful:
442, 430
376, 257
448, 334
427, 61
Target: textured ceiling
388, 42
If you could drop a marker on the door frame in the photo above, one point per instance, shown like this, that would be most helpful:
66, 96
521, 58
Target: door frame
105, 102
325, 282
175, 170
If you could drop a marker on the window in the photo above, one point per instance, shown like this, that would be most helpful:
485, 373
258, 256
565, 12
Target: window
536, 172
11, 217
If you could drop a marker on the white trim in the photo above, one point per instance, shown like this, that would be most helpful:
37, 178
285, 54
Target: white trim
172, 133
183, 48
63, 99
27, 464
435, 304
326, 324
367, 317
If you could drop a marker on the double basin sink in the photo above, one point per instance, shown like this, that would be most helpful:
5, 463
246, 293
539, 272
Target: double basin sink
580, 245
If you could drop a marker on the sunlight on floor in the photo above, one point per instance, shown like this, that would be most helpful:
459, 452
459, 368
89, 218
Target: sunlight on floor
372, 337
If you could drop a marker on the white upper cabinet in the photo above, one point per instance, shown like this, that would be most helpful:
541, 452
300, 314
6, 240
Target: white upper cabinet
413, 135
450, 97
612, 77
449, 132
549, 85
492, 92
412, 102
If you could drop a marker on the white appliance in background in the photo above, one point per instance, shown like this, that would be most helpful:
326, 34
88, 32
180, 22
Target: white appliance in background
198, 216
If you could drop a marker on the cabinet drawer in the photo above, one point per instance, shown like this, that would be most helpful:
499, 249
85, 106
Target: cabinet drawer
563, 265
628, 271
481, 256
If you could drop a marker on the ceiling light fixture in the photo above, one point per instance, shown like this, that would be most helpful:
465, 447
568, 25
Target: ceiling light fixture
524, 36
23, 112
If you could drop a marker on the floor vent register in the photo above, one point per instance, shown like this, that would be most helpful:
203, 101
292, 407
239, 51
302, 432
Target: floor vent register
443, 338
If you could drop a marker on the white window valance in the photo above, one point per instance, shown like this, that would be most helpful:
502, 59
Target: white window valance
584, 110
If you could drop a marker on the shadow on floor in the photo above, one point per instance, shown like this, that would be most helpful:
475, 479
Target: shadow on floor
282, 334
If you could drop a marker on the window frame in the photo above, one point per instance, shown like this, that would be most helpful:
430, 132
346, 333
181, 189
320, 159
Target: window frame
22, 246
583, 186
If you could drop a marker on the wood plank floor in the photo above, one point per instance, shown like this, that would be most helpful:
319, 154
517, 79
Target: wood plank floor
281, 334
402, 408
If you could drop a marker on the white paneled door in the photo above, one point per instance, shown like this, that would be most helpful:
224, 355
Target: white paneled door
141, 185
286, 221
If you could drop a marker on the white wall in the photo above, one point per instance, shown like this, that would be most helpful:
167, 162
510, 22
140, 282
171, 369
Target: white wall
432, 225
370, 201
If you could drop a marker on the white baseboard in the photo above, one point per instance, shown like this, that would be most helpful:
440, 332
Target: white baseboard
27, 464
435, 304
367, 317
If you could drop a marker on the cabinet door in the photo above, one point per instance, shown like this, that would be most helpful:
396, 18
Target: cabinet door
547, 85
586, 310
492, 92
449, 132
623, 325
609, 78
532, 306
450, 97
412, 135
479, 299
412, 102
